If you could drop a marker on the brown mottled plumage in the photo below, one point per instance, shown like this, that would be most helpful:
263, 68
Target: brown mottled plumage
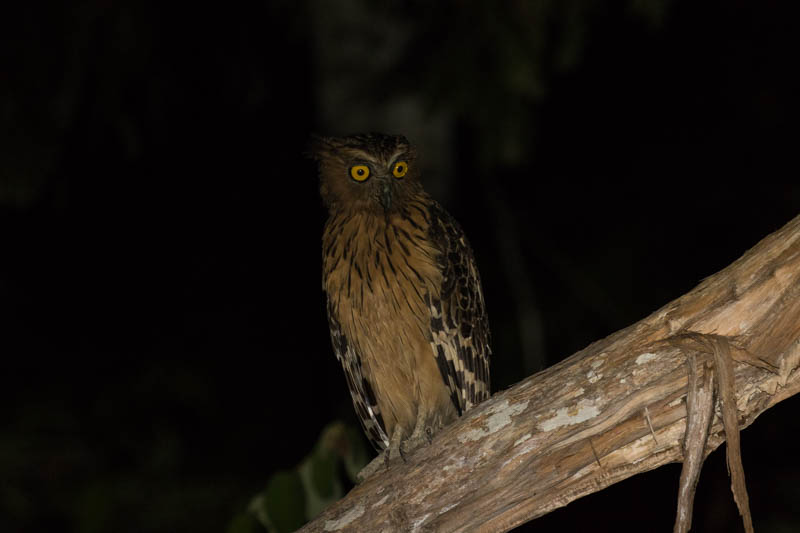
405, 306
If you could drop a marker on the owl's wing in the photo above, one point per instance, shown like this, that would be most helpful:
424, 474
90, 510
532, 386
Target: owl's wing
360, 390
459, 325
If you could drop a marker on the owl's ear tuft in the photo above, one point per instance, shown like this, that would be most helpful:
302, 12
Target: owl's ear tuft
318, 147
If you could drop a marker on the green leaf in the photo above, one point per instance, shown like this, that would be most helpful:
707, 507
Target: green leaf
296, 496
244, 522
281, 507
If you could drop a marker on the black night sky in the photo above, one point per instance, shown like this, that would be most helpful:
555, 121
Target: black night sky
165, 347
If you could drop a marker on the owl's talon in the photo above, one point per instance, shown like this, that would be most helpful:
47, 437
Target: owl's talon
380, 462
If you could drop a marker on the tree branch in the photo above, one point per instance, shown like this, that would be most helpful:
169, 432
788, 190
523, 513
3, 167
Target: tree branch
612, 410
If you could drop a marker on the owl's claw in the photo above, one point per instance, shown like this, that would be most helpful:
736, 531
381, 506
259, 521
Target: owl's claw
422, 433
398, 447
395, 449
380, 462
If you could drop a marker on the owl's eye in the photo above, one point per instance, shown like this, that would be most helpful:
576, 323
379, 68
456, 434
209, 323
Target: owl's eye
359, 172
400, 169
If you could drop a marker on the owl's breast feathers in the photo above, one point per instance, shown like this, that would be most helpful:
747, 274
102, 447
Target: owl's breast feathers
407, 316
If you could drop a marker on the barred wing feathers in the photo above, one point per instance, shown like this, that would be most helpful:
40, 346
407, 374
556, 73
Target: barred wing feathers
459, 324
361, 391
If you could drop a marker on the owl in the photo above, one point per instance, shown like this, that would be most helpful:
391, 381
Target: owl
405, 306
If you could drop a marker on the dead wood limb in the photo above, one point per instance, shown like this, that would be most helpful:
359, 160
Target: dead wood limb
612, 410
699, 411
722, 358
723, 363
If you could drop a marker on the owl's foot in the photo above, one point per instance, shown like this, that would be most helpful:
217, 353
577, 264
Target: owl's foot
372, 467
388, 455
422, 434
399, 447
396, 449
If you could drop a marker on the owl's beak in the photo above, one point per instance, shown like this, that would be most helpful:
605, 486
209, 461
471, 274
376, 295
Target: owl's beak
386, 195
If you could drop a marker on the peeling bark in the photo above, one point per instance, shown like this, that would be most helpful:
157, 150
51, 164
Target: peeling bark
612, 410
699, 411
723, 363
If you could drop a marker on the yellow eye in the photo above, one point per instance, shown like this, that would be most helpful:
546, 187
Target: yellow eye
400, 169
359, 172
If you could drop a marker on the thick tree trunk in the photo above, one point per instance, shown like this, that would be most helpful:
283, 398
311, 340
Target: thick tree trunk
612, 410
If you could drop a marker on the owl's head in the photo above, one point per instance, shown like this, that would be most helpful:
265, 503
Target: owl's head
370, 172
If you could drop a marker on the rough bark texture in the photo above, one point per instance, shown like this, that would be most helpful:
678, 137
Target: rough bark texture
612, 410
699, 412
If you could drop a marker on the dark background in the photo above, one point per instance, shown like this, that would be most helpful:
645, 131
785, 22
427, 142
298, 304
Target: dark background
165, 349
